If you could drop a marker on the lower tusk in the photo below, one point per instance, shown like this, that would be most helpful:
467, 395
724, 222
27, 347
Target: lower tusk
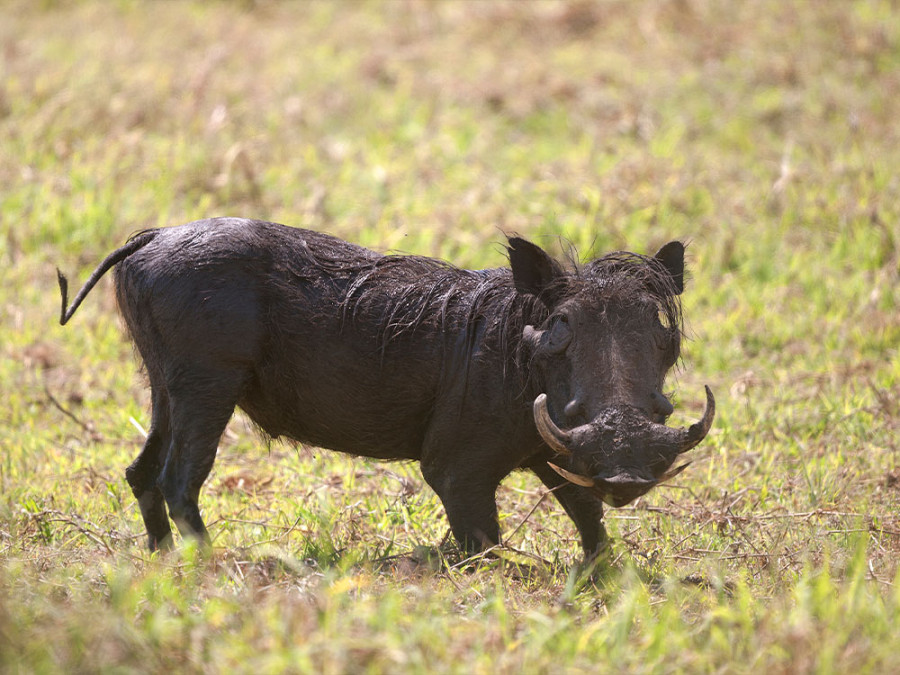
575, 478
671, 473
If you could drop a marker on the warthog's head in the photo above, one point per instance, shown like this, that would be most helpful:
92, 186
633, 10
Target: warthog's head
600, 360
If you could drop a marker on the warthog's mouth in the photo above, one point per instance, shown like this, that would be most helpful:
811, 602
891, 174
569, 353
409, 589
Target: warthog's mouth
628, 453
620, 489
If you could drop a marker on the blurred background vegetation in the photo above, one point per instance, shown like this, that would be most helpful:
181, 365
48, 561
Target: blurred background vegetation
764, 133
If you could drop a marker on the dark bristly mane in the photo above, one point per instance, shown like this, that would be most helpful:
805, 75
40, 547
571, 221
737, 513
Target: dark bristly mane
631, 275
397, 295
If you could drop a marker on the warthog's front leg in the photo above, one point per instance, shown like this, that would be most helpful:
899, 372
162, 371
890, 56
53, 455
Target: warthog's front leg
583, 507
468, 496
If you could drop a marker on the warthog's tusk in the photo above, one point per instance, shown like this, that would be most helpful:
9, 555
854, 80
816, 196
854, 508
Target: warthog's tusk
697, 431
671, 473
556, 438
578, 479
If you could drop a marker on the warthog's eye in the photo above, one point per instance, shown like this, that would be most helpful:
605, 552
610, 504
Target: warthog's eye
560, 333
666, 337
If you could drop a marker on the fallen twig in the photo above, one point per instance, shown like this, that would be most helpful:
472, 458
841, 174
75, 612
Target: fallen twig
87, 426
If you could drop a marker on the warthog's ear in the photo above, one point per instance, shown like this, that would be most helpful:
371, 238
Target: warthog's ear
533, 270
672, 258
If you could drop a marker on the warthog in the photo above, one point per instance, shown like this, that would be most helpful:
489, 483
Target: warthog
557, 369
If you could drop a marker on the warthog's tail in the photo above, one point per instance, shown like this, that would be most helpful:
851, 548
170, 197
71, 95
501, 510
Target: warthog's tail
137, 242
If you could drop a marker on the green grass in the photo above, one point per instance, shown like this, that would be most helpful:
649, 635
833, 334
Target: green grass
764, 133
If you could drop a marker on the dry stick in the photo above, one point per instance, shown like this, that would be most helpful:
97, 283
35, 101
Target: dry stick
451, 568
710, 516
59, 406
747, 539
507, 547
773, 515
287, 531
477, 556
875, 576
73, 522
533, 509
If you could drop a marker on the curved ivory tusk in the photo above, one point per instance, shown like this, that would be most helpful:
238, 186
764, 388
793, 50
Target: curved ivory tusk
697, 431
556, 438
671, 473
578, 479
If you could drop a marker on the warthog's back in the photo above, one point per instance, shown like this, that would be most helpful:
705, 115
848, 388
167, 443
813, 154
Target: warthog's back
336, 345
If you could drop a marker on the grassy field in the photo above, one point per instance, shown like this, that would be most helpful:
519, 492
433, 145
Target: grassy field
764, 133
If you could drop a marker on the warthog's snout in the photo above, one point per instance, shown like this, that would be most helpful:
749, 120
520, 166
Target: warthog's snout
621, 455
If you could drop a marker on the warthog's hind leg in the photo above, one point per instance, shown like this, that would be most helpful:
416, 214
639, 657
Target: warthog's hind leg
142, 475
201, 407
